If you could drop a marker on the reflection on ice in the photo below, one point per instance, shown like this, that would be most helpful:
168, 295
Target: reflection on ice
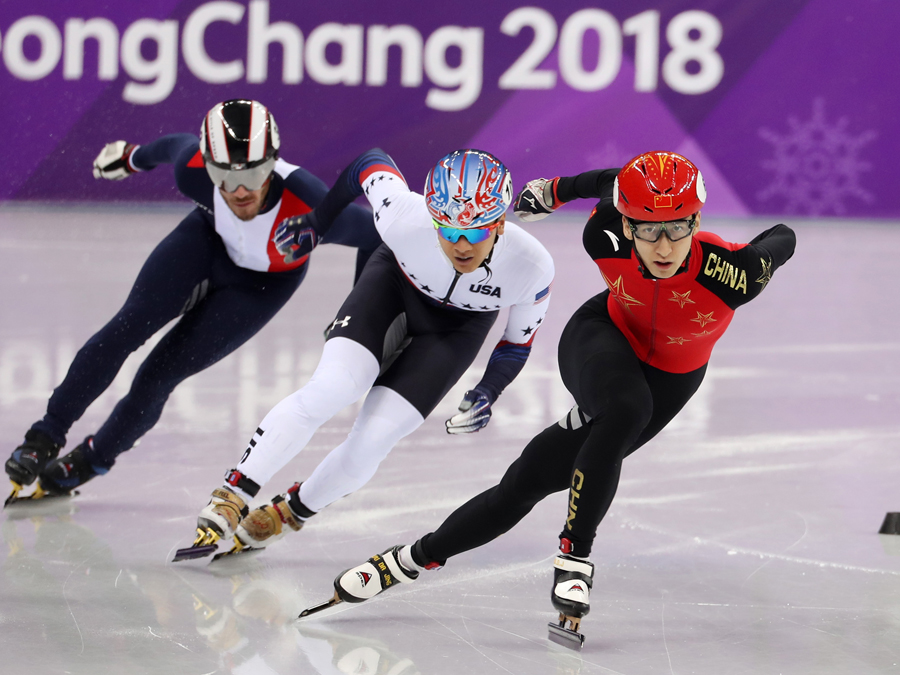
743, 539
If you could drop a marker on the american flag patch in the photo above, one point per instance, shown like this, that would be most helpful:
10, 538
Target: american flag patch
543, 295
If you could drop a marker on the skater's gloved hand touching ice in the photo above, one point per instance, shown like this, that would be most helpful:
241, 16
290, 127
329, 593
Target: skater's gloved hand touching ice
537, 199
295, 237
113, 161
474, 414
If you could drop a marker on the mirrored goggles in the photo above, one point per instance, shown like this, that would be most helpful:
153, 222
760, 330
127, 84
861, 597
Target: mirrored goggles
475, 235
231, 179
675, 230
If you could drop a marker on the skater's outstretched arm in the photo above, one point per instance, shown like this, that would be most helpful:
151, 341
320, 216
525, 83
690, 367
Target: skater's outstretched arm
352, 226
324, 222
541, 196
169, 149
506, 361
120, 159
356, 180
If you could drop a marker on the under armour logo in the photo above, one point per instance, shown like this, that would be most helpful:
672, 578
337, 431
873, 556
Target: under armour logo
340, 322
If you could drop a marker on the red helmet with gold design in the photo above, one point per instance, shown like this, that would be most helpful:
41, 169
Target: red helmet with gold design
659, 186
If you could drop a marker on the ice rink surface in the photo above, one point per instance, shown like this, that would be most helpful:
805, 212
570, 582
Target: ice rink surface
743, 539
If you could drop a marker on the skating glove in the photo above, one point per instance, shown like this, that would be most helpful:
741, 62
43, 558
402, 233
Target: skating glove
474, 414
295, 238
112, 162
537, 199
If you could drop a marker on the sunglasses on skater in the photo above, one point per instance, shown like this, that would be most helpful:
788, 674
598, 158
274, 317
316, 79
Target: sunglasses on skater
675, 229
252, 178
475, 235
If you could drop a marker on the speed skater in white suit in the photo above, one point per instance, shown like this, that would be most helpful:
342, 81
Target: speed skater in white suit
406, 333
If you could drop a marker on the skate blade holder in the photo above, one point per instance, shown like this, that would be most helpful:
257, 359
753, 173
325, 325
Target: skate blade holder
566, 636
237, 547
39, 493
321, 607
204, 545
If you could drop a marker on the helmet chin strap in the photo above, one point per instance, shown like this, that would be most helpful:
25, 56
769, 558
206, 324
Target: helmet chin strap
642, 268
487, 259
645, 272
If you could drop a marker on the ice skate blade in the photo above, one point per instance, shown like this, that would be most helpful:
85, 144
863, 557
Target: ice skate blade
193, 552
204, 545
39, 493
15, 494
321, 607
236, 552
566, 637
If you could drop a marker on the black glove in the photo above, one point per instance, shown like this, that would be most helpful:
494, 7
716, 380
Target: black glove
112, 162
536, 201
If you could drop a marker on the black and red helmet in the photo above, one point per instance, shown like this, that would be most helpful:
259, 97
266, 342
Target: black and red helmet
239, 141
659, 186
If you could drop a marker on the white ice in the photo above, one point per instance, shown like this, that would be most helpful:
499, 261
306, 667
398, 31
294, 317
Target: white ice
743, 539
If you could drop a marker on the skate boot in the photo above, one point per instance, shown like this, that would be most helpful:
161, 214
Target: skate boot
571, 596
27, 461
222, 515
63, 475
218, 520
267, 524
365, 581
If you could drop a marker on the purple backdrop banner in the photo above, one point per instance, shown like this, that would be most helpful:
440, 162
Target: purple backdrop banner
787, 106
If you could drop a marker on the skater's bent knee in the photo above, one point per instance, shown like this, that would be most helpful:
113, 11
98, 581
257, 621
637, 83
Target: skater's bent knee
628, 402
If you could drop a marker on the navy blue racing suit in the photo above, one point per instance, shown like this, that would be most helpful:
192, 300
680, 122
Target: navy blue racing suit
223, 295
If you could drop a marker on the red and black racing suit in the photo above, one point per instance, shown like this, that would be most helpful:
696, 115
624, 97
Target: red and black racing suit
631, 357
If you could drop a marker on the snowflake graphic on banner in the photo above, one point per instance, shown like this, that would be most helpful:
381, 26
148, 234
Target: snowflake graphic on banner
816, 167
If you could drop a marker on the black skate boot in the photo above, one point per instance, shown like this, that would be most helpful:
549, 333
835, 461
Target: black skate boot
571, 596
27, 461
63, 475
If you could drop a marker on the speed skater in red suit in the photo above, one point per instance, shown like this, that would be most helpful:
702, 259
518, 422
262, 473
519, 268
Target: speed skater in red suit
631, 356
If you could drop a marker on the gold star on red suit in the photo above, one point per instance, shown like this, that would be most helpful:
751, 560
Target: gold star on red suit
617, 288
682, 298
703, 319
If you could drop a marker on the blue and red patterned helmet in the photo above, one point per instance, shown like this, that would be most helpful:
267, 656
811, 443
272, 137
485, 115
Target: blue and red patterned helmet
468, 189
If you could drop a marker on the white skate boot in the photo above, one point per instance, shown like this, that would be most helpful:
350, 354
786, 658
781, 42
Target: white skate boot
571, 596
365, 581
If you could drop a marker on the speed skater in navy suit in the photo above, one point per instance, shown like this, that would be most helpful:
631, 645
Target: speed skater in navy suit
222, 272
